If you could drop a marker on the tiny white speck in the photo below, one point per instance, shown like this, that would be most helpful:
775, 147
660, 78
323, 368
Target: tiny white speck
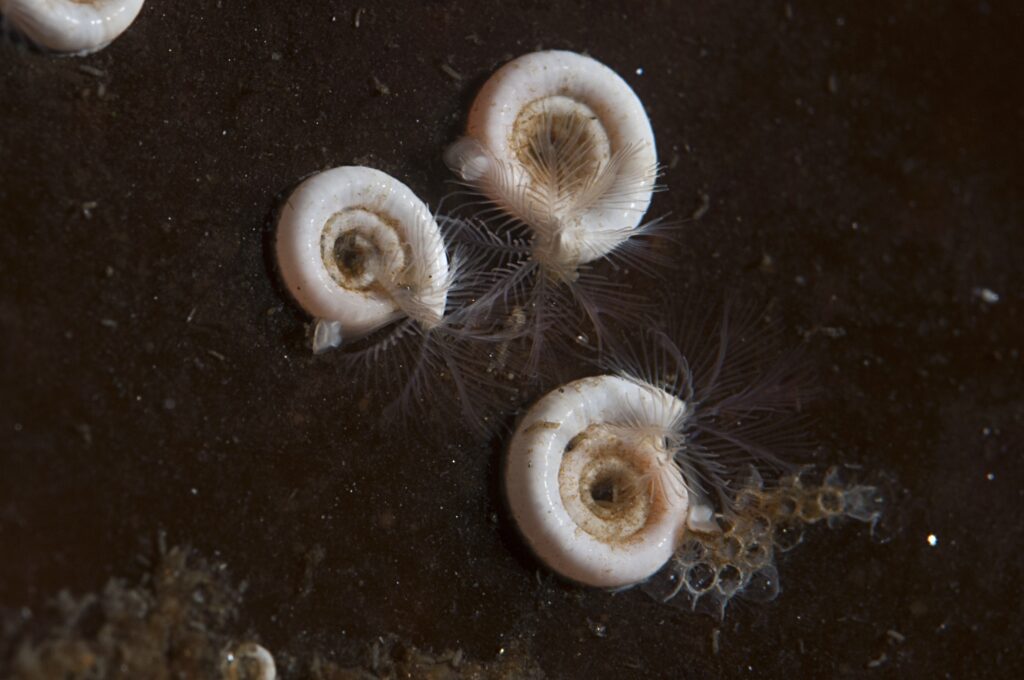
195, 491
933, 540
640, 71
986, 294
990, 476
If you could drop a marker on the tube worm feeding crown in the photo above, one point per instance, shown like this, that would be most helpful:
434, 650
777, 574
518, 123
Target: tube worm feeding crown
654, 475
74, 26
365, 257
597, 484
359, 250
560, 142
562, 153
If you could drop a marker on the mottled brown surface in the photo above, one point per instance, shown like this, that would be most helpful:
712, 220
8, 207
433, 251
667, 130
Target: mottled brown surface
855, 167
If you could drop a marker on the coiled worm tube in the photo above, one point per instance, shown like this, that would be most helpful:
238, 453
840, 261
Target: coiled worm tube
74, 26
358, 250
592, 481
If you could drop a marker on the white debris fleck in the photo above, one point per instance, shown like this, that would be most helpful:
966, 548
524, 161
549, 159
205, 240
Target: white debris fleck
986, 295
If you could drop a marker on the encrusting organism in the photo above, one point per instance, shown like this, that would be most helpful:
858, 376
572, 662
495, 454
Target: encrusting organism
71, 26
180, 620
737, 556
363, 255
660, 469
592, 481
561, 156
358, 250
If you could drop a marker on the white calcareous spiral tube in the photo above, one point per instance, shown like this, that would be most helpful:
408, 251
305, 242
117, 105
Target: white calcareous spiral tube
562, 143
358, 250
73, 26
591, 482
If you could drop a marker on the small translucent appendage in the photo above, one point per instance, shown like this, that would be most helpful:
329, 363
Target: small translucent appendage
326, 335
467, 159
711, 567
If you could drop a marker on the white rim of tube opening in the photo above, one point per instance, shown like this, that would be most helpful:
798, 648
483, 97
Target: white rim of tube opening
72, 27
347, 195
567, 78
535, 489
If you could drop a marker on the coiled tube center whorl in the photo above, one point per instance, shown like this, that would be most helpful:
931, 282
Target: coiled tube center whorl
604, 484
362, 250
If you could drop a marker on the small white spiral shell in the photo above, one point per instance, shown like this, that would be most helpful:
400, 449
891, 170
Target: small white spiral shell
359, 250
248, 661
562, 143
591, 482
75, 26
